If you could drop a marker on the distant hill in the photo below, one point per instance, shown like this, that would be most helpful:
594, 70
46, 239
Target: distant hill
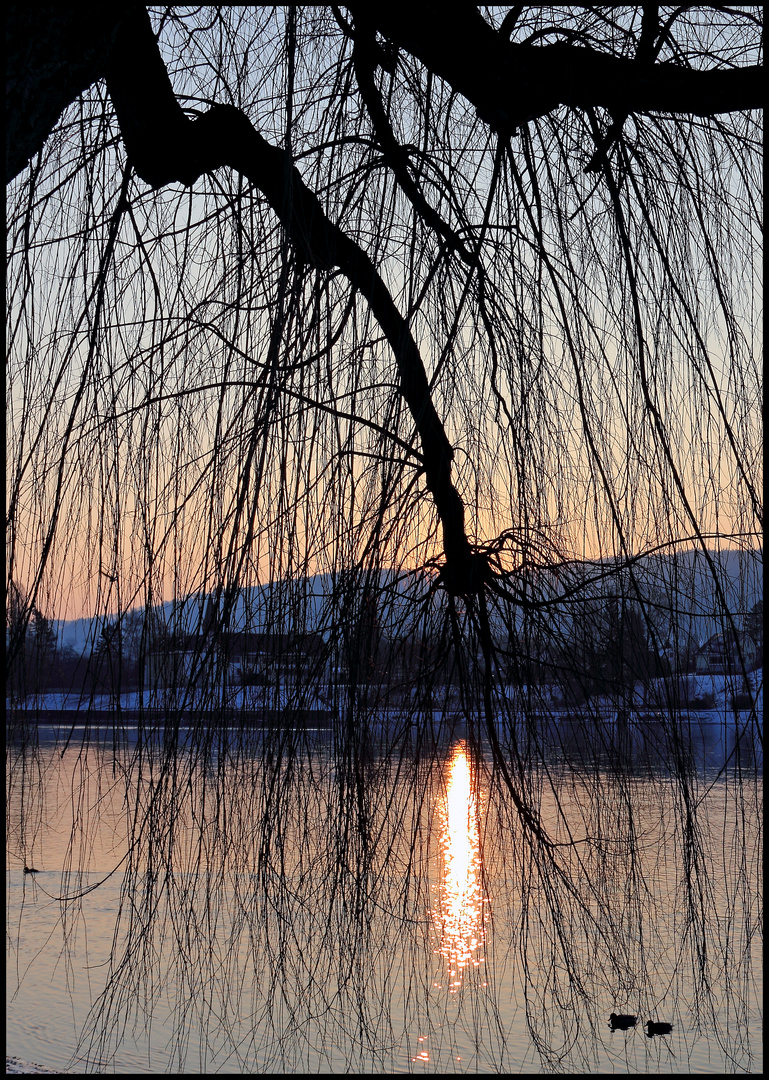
689, 577
304, 605
315, 603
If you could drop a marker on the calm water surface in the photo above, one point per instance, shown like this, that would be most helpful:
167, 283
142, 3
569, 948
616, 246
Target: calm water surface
427, 937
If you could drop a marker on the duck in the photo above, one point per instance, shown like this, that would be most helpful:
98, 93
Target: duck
654, 1027
622, 1022
30, 869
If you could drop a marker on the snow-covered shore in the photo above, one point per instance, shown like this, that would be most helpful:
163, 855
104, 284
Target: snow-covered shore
720, 689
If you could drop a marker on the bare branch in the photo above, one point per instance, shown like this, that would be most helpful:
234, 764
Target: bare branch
165, 146
511, 84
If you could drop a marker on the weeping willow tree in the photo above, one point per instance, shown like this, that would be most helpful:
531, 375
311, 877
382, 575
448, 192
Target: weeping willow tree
434, 338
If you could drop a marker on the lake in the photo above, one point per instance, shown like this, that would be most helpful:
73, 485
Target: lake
322, 901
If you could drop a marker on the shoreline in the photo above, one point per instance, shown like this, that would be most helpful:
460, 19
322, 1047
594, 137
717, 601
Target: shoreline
14, 1066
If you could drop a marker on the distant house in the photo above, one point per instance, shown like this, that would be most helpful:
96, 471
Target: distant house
719, 654
181, 660
207, 658
252, 657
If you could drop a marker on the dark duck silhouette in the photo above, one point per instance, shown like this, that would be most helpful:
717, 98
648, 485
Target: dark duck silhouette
30, 869
622, 1022
653, 1027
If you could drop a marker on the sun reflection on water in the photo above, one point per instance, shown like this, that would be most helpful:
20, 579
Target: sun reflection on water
460, 916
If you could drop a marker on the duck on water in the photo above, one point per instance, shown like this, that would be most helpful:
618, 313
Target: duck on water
654, 1027
622, 1022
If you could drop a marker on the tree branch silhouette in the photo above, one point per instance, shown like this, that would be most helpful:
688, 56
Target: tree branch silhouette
165, 146
512, 83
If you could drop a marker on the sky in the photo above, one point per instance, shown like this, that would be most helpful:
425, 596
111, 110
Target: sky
223, 409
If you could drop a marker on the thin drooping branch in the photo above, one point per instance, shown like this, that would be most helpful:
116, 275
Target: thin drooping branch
166, 146
364, 57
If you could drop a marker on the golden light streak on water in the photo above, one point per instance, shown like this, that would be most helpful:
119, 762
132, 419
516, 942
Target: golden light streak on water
460, 917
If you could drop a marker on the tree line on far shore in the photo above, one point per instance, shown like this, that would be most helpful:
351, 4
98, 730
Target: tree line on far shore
602, 651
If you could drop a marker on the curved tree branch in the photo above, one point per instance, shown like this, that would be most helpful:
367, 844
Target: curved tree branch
364, 60
512, 83
165, 146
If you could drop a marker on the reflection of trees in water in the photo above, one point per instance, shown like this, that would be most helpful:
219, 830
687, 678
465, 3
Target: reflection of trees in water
277, 894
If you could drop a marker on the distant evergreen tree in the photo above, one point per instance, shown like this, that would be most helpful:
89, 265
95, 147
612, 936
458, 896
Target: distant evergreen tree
754, 627
29, 667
